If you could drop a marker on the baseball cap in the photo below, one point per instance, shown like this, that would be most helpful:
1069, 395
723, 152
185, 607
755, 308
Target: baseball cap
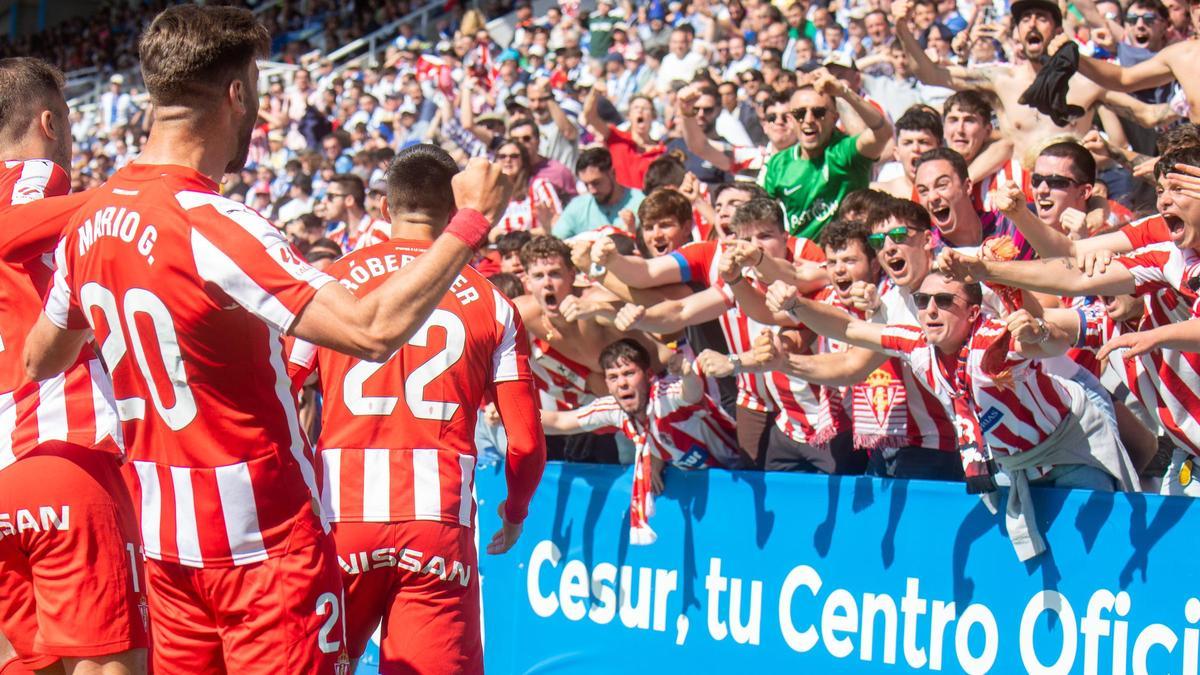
117, 79
839, 59
613, 57
537, 50
407, 108
1021, 6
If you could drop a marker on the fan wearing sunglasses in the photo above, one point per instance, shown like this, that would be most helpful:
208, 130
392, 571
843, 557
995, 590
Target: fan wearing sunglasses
986, 371
775, 124
825, 165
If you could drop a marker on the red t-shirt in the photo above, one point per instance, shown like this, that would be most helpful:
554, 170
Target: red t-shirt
629, 162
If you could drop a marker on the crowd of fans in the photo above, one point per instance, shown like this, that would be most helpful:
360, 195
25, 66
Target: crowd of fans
750, 235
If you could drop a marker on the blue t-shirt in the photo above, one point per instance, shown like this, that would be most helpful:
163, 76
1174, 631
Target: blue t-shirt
584, 214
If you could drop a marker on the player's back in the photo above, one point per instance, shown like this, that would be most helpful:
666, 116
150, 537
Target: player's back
188, 294
74, 406
398, 438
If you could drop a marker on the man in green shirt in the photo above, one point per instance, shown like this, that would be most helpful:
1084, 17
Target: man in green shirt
811, 178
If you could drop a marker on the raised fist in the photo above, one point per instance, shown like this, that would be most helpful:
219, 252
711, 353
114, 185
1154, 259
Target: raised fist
766, 348
483, 187
604, 249
1008, 197
628, 316
863, 296
782, 297
715, 364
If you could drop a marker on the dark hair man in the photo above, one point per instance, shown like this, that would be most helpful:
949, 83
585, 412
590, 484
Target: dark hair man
223, 480
427, 395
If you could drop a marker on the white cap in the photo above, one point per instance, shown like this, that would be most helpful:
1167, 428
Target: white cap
117, 79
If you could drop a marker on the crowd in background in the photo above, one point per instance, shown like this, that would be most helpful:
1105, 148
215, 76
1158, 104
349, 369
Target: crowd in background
703, 187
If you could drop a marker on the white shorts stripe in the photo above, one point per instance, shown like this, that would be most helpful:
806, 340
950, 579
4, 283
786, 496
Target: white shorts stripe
52, 409
241, 515
147, 474
427, 490
377, 501
466, 491
331, 494
187, 534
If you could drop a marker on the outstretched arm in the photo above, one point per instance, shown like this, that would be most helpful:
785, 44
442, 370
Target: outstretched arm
953, 77
1184, 337
1056, 276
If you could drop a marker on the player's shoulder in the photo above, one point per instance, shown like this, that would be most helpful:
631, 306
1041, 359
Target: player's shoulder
28, 180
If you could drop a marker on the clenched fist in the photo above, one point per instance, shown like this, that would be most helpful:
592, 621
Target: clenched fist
482, 187
782, 297
714, 364
628, 316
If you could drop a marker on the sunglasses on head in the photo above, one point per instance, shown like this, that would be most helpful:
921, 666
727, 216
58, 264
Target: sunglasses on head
1149, 18
1055, 182
898, 235
818, 112
943, 300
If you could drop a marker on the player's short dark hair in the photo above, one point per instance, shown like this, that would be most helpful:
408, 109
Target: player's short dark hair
1081, 159
665, 204
908, 212
758, 211
838, 234
508, 284
920, 118
311, 221
543, 247
753, 189
190, 53
947, 155
1188, 154
418, 181
354, 187
968, 101
626, 349
594, 158
666, 171
28, 86
512, 242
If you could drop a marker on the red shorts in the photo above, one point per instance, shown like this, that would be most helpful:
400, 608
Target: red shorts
281, 615
421, 579
71, 582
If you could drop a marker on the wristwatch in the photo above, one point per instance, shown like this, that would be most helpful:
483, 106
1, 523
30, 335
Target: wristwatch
1044, 330
736, 360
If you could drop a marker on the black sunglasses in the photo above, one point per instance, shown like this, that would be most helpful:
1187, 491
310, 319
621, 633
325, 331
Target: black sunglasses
772, 118
818, 112
706, 109
898, 235
1149, 18
943, 300
1055, 182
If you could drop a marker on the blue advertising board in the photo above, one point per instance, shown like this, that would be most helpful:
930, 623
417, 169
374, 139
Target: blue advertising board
829, 575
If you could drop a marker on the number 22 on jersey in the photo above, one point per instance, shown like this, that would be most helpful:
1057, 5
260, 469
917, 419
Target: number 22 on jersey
414, 385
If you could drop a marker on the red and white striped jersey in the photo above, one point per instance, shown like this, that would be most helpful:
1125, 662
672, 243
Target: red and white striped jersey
522, 214
1014, 417
367, 232
1149, 230
689, 435
1163, 265
561, 381
77, 405
188, 294
928, 419
700, 262
1013, 172
398, 438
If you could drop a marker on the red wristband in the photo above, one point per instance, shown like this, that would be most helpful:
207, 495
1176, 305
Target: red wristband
469, 226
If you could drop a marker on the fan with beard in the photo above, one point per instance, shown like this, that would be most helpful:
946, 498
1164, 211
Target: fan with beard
1048, 93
